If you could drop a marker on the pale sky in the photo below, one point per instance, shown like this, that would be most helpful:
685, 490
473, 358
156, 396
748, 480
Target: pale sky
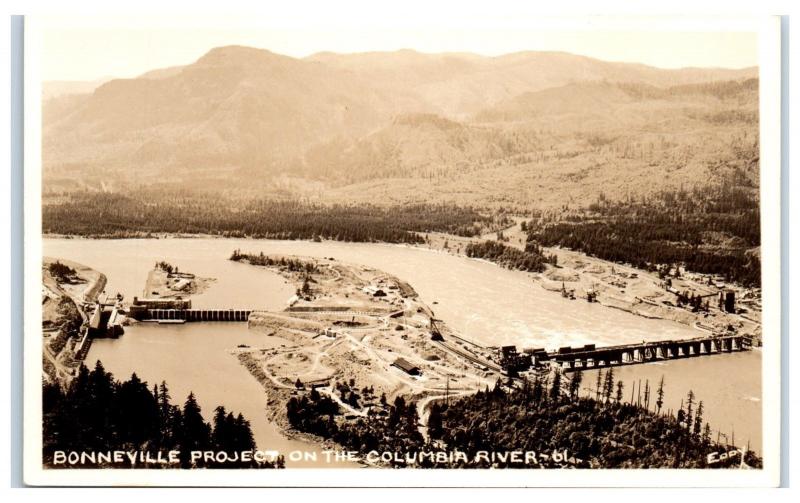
91, 52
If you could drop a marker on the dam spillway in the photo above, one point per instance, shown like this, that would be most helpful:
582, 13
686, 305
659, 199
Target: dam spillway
195, 315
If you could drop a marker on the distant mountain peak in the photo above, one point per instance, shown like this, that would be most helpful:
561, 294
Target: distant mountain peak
239, 53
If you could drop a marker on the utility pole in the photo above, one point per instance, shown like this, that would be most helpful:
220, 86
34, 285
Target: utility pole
639, 395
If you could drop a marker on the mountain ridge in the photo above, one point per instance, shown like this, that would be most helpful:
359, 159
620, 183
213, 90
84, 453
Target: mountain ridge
246, 117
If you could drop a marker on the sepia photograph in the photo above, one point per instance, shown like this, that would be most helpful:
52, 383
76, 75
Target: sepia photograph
547, 251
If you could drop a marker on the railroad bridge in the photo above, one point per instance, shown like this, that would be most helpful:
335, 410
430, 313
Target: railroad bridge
589, 357
197, 314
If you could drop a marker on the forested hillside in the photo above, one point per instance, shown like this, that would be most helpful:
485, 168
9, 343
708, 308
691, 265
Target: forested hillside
116, 215
713, 230
543, 416
600, 432
516, 131
97, 413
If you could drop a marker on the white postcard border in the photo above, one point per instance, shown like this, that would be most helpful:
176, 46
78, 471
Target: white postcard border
768, 29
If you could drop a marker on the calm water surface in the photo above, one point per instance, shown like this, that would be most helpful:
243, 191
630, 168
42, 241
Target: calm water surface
729, 386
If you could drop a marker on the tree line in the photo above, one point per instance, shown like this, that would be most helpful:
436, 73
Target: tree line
600, 431
386, 428
141, 214
97, 413
166, 267
61, 272
709, 230
546, 414
288, 263
722, 89
532, 259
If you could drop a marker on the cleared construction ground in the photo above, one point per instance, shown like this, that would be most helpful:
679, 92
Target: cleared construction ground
353, 325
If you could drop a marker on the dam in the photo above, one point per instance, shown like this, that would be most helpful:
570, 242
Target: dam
570, 359
180, 310
194, 315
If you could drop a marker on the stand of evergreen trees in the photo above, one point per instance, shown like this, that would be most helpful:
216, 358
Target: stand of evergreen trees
140, 214
389, 428
60, 272
532, 259
96, 413
543, 415
709, 230
288, 263
602, 431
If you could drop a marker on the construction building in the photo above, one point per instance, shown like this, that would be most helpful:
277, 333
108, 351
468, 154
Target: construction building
727, 301
513, 362
138, 310
406, 367
105, 321
538, 356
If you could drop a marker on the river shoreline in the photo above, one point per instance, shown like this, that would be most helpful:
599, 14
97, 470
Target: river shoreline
479, 272
277, 396
60, 350
442, 243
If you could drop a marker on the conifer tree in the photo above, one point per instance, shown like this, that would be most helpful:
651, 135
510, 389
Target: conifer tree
538, 391
555, 389
660, 396
194, 435
689, 410
575, 385
598, 385
435, 421
698, 419
222, 434
608, 385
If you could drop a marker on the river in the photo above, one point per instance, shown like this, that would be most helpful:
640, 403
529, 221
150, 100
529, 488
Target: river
484, 302
729, 386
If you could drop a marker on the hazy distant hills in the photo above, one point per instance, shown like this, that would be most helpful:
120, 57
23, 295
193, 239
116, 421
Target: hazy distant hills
60, 88
234, 107
458, 83
521, 129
